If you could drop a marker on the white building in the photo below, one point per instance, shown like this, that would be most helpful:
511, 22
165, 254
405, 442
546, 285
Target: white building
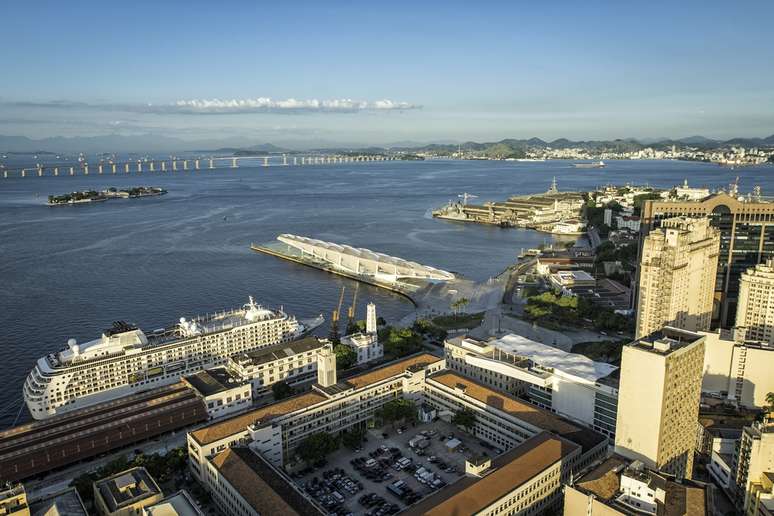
366, 345
755, 310
568, 384
222, 391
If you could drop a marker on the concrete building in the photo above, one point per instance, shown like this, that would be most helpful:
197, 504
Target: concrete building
526, 481
754, 457
63, 503
618, 487
762, 496
126, 493
293, 363
746, 225
567, 384
658, 400
177, 504
742, 372
755, 310
565, 280
13, 501
677, 276
221, 391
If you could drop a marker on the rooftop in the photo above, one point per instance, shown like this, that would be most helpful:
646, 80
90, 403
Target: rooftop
524, 411
178, 504
213, 381
573, 364
127, 488
666, 340
64, 503
279, 351
510, 470
377, 375
260, 485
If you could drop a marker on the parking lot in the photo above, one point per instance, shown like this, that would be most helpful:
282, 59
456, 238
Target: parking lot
388, 473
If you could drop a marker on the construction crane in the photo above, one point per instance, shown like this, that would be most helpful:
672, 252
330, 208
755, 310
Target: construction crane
465, 196
351, 310
334, 335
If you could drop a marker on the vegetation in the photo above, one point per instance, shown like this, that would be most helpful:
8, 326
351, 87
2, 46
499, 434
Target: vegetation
639, 200
281, 390
556, 311
609, 252
465, 418
317, 447
595, 216
770, 401
459, 305
601, 351
399, 409
399, 342
346, 357
429, 329
353, 437
457, 322
164, 468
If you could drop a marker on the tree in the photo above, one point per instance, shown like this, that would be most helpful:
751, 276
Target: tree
459, 304
353, 437
281, 390
399, 342
316, 447
397, 410
770, 401
345, 356
465, 418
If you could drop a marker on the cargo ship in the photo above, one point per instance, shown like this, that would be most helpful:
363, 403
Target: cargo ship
599, 164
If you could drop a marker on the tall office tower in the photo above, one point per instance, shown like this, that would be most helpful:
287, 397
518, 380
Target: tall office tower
746, 225
677, 276
755, 311
658, 400
371, 318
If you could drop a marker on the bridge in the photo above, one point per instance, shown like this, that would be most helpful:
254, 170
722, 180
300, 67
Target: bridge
109, 167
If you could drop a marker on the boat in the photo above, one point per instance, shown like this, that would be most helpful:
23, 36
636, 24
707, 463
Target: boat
599, 164
125, 360
529, 159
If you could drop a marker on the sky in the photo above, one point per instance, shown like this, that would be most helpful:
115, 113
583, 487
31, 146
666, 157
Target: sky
387, 72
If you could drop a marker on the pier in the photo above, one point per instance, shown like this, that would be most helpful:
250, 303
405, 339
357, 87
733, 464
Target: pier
165, 166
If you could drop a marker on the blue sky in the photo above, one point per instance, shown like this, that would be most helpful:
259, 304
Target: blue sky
368, 72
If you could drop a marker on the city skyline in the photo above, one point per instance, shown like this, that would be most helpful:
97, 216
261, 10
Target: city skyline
383, 74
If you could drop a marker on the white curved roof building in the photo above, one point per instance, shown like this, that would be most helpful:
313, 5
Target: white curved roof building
363, 261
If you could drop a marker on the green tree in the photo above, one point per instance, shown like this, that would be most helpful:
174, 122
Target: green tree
399, 342
465, 418
316, 447
397, 410
353, 437
281, 390
770, 401
346, 357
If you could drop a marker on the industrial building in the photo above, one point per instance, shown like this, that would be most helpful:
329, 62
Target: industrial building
36, 448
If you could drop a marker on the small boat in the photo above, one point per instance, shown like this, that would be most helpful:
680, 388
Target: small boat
599, 164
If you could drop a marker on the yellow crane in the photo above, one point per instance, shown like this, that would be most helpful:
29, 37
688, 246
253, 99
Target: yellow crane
334, 335
352, 308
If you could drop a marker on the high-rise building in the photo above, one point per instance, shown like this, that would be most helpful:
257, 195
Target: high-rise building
658, 400
755, 311
677, 276
754, 457
746, 226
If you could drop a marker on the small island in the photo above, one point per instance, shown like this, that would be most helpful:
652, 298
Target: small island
88, 196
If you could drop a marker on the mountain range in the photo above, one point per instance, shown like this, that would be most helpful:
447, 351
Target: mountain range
158, 143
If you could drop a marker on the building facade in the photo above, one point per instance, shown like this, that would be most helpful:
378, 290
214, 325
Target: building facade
755, 310
746, 226
658, 400
677, 276
754, 457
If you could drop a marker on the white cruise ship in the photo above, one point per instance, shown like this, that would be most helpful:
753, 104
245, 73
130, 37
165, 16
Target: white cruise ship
125, 360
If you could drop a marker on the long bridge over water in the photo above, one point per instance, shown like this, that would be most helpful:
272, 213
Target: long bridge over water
109, 167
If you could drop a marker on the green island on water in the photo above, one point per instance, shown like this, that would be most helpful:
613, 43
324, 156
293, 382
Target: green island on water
88, 196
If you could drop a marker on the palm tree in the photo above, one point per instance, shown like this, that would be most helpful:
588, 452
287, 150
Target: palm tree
770, 401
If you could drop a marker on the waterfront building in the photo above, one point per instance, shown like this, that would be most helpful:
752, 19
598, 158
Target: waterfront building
567, 259
755, 310
746, 225
658, 400
525, 480
177, 504
567, 384
566, 280
366, 345
742, 372
13, 500
753, 458
126, 493
618, 487
677, 276
125, 360
221, 391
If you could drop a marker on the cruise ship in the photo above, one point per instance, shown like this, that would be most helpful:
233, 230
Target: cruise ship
125, 360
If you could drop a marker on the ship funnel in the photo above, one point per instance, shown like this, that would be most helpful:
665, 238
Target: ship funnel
74, 347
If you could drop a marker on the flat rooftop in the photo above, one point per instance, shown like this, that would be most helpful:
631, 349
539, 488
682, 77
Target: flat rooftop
573, 364
666, 340
260, 485
178, 504
65, 503
279, 351
508, 472
540, 418
213, 381
127, 488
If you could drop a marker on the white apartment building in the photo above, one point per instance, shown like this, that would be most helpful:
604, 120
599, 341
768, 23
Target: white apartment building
222, 392
677, 276
755, 310
658, 400
742, 372
754, 457
567, 384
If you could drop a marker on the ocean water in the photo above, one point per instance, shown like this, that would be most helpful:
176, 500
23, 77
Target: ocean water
69, 271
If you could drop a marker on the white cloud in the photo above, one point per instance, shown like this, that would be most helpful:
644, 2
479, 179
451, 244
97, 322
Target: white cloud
266, 104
